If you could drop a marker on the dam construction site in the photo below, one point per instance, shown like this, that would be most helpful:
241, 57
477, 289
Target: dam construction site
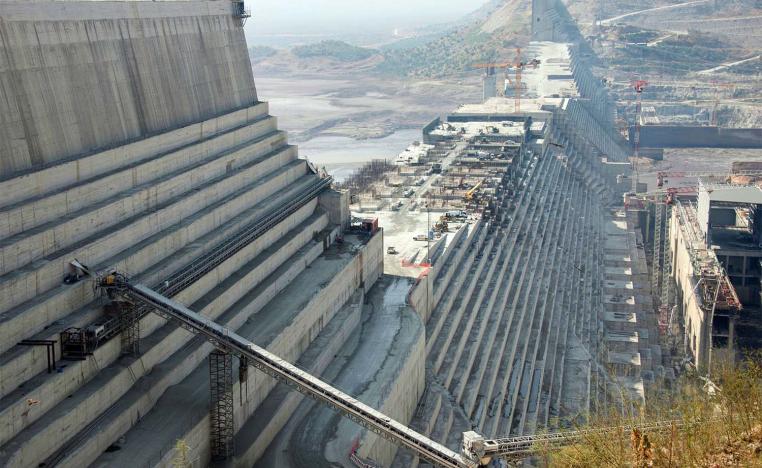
178, 287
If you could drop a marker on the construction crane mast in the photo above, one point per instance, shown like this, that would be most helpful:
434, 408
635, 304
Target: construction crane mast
639, 86
476, 450
518, 66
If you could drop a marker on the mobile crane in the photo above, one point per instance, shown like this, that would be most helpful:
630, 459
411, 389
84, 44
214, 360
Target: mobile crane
472, 191
476, 450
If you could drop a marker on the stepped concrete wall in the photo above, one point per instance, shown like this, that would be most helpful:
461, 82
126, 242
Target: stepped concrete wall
545, 22
80, 76
258, 432
131, 138
400, 398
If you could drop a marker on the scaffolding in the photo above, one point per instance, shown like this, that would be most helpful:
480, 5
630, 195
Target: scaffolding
658, 252
221, 408
129, 324
667, 290
240, 11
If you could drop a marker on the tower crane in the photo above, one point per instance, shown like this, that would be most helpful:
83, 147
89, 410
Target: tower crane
475, 451
518, 66
638, 86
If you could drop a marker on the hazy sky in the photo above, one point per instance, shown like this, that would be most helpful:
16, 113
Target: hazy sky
322, 16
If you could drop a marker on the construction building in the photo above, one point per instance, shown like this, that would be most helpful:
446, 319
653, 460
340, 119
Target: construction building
715, 265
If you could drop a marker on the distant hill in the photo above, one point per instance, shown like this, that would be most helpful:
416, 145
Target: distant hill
261, 52
338, 50
490, 33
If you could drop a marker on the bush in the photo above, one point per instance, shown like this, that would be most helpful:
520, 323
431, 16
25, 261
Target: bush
720, 430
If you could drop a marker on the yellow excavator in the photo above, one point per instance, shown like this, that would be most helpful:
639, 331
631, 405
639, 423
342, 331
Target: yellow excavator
470, 194
441, 225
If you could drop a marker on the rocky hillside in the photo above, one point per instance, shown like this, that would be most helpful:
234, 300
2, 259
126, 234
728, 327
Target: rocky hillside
490, 33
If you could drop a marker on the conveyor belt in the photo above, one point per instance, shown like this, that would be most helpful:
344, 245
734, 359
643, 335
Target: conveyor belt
475, 445
523, 446
289, 374
221, 252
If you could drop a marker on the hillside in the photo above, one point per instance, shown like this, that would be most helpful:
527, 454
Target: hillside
492, 38
722, 428
490, 33
338, 50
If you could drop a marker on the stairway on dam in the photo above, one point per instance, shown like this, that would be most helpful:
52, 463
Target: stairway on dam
511, 339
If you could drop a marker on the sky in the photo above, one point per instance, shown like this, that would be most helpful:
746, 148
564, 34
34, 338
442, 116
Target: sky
295, 17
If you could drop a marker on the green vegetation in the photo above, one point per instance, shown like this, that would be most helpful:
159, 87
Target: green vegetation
636, 35
334, 49
451, 54
675, 55
261, 52
724, 429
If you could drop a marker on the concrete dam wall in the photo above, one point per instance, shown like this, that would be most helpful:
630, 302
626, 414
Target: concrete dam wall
76, 77
131, 138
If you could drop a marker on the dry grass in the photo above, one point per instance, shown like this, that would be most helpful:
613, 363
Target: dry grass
720, 430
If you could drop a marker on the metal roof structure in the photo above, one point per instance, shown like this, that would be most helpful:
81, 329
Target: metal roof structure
742, 194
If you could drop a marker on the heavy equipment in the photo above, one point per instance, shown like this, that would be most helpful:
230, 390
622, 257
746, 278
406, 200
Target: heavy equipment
472, 191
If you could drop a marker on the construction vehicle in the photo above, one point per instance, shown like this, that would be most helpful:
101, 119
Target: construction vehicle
441, 225
470, 194
456, 214
476, 450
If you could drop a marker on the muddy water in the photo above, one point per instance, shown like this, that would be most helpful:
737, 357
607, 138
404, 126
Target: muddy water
304, 104
342, 155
